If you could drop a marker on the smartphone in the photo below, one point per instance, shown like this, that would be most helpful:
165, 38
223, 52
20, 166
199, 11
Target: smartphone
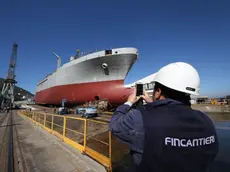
139, 89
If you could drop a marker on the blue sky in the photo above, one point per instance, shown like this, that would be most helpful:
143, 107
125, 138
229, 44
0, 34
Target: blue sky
193, 31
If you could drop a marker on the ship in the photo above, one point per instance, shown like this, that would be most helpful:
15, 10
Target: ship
87, 77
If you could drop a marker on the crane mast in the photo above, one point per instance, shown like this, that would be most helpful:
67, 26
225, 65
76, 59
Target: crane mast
7, 93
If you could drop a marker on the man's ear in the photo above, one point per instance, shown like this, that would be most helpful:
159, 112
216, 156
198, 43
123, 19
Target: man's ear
158, 93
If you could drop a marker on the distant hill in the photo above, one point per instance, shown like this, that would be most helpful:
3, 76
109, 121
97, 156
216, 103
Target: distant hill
19, 93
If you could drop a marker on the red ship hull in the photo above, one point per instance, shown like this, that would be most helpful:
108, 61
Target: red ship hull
113, 91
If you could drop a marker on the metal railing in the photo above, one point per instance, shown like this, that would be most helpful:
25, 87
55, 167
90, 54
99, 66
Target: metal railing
90, 137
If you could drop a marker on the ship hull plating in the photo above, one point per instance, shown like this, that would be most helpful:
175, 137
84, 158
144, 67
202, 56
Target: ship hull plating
88, 78
113, 91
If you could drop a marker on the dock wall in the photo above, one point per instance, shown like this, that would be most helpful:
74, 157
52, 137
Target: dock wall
212, 108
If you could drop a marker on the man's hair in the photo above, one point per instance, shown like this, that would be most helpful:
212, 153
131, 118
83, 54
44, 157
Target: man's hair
173, 94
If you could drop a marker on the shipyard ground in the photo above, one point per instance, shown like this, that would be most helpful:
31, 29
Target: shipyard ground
222, 123
34, 149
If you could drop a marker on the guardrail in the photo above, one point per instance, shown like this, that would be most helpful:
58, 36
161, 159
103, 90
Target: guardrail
82, 134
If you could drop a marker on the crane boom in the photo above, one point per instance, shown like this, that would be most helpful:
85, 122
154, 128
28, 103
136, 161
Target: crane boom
13, 61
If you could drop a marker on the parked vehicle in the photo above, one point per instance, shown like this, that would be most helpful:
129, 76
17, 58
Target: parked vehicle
87, 112
63, 111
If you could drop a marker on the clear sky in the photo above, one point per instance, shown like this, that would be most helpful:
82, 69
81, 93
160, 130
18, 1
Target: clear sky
194, 31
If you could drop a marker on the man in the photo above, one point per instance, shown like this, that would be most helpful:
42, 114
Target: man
166, 134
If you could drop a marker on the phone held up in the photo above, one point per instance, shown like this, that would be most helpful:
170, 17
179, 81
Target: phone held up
139, 92
139, 89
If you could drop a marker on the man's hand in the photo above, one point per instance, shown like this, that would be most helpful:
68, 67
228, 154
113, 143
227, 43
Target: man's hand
133, 98
146, 97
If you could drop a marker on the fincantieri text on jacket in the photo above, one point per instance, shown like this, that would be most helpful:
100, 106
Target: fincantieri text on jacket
176, 142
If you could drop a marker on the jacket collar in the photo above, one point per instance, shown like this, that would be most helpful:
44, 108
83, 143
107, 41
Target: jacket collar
165, 102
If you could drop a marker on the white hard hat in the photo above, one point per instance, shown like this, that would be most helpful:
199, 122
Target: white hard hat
179, 76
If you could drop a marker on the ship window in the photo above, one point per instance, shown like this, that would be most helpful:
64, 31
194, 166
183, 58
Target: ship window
145, 86
116, 52
151, 86
108, 52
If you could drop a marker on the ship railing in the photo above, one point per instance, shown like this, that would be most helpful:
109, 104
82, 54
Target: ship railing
90, 137
81, 54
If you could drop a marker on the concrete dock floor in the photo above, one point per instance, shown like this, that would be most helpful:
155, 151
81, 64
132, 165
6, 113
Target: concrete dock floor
43, 152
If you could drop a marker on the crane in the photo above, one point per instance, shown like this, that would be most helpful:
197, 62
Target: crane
7, 93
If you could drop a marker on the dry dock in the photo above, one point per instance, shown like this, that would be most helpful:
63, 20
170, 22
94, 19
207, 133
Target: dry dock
33, 149
208, 108
92, 138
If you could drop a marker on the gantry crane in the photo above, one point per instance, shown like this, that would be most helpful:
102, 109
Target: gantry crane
7, 93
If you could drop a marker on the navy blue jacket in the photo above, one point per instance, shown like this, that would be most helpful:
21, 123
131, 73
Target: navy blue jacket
129, 126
